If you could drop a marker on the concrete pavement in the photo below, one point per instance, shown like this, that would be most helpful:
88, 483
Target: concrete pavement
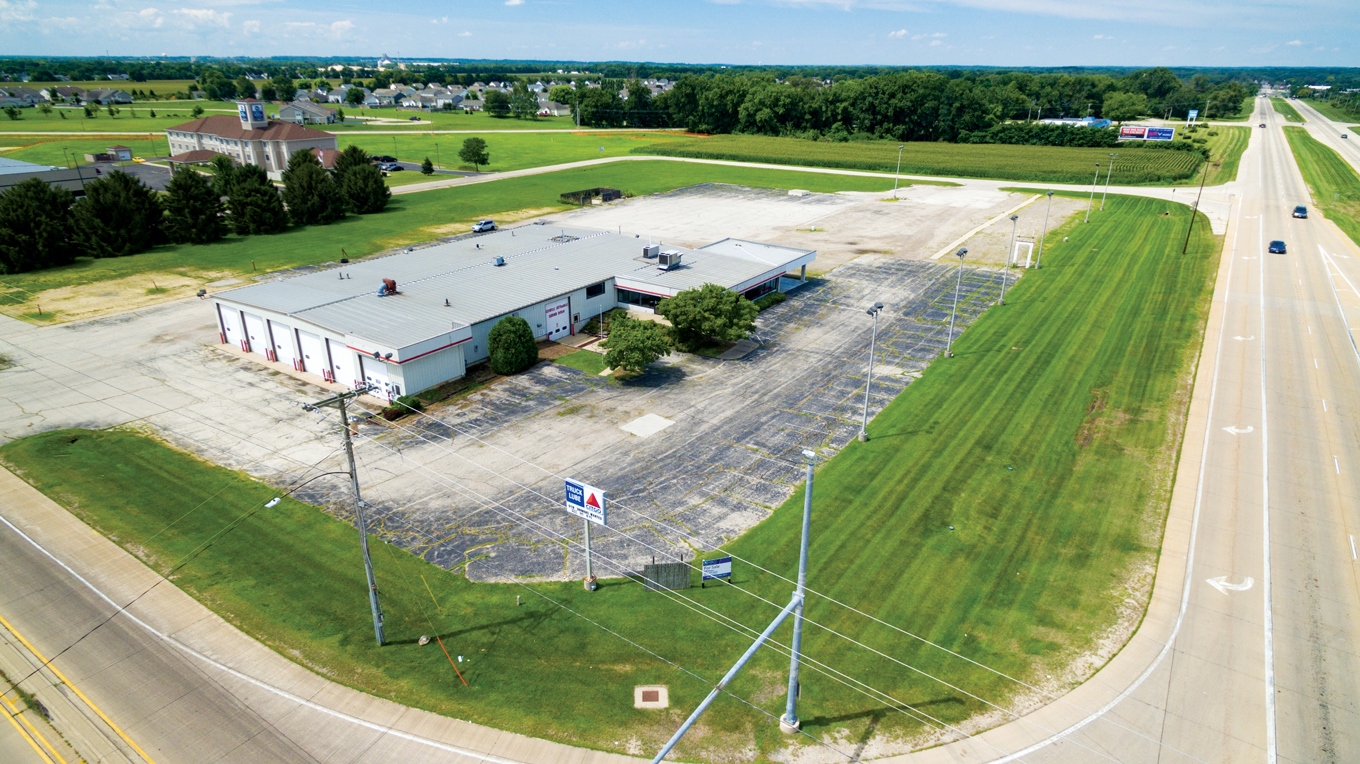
1329, 132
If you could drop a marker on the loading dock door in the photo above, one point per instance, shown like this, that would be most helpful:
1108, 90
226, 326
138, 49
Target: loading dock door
314, 355
284, 352
231, 326
342, 359
375, 373
559, 318
259, 341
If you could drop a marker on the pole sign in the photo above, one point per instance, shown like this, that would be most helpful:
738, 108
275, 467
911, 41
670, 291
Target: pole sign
585, 501
1161, 133
1132, 133
719, 568
1194, 114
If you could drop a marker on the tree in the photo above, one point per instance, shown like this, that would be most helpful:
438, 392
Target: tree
268, 92
253, 203
361, 183
309, 192
153, 114
634, 345
474, 153
496, 103
197, 111
1122, 107
354, 96
120, 215
511, 346
427, 167
523, 102
244, 87
223, 169
711, 312
284, 88
193, 211
35, 227
45, 108
13, 112
339, 115
562, 94
112, 110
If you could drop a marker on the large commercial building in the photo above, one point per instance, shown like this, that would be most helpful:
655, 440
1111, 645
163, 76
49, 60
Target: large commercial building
346, 325
249, 138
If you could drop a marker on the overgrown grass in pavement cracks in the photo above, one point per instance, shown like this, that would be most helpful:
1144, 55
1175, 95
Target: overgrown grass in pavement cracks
1008, 506
409, 219
1284, 109
1332, 180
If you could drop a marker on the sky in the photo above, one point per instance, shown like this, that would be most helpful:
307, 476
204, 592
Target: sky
889, 32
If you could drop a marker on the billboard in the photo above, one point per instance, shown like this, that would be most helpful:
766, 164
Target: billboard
719, 568
1161, 133
241, 108
1194, 115
1132, 133
257, 112
1142, 133
585, 501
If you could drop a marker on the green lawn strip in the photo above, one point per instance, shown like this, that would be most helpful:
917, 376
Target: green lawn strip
509, 151
1330, 111
1283, 108
1225, 150
1058, 164
1332, 180
441, 120
410, 218
1048, 443
1243, 114
61, 152
584, 360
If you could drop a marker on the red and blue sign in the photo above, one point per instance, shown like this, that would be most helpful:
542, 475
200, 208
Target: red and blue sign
1160, 134
586, 501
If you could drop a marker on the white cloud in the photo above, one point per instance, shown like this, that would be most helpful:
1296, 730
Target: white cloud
939, 34
1102, 37
203, 16
151, 17
17, 11
250, 27
514, 2
339, 28
464, 34
936, 43
1294, 42
898, 33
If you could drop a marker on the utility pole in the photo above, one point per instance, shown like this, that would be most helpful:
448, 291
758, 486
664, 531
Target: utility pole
949, 347
1194, 211
339, 401
873, 338
789, 722
1108, 173
1095, 180
1005, 272
1043, 235
898, 175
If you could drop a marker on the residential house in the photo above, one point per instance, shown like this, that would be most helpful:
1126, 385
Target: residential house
471, 104
118, 77
106, 96
306, 113
17, 95
383, 97
548, 108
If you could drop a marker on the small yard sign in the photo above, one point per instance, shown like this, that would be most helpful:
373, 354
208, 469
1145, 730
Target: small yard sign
719, 568
586, 501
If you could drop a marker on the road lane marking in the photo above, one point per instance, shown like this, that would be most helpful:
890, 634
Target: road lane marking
1272, 752
1337, 464
1353, 557
17, 713
1315, 366
1232, 430
1221, 584
1330, 264
50, 667
1240, 338
23, 733
1324, 404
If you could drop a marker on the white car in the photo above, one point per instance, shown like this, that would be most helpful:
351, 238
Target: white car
482, 226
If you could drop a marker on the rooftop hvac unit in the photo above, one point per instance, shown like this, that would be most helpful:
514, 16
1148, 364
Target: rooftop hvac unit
498, 262
668, 261
651, 250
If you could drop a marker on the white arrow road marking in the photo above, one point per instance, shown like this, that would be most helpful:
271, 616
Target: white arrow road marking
1234, 431
1248, 258
1221, 584
1244, 339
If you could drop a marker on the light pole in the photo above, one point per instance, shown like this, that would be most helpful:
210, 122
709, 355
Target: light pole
873, 338
1005, 272
437, 160
1043, 235
1108, 173
359, 505
1089, 202
789, 721
898, 174
949, 347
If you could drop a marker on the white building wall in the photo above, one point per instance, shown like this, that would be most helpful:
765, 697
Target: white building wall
582, 310
430, 370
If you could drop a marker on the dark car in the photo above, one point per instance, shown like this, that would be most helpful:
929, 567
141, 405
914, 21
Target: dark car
1301, 212
1263, 124
383, 159
1277, 247
390, 167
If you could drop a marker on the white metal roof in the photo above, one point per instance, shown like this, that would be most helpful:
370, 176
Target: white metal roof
541, 262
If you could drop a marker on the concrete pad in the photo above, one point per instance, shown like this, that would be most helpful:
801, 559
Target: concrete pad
738, 351
647, 425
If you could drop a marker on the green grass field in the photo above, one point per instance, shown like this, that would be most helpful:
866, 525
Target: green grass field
583, 360
1049, 444
1284, 109
509, 151
408, 219
1332, 180
1025, 163
1331, 112
1225, 155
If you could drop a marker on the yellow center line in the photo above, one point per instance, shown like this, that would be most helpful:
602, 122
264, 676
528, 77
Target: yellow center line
17, 713
117, 730
25, 736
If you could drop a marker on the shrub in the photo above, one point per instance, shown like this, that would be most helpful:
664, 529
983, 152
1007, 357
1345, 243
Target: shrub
254, 203
711, 312
361, 183
634, 345
35, 227
120, 215
310, 193
511, 346
193, 211
770, 300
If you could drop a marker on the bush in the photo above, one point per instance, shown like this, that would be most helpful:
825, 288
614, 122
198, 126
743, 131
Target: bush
35, 227
593, 325
634, 345
770, 300
309, 192
360, 182
511, 346
120, 215
193, 211
254, 203
403, 405
711, 312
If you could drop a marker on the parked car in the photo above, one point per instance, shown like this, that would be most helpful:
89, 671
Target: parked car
413, 119
1277, 247
383, 159
482, 226
1301, 212
390, 167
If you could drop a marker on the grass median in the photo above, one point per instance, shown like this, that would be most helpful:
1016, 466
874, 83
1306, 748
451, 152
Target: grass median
1009, 506
1334, 184
1284, 109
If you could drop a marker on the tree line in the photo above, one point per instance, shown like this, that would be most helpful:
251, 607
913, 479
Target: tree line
45, 226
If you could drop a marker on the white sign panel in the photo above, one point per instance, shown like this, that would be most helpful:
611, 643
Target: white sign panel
586, 501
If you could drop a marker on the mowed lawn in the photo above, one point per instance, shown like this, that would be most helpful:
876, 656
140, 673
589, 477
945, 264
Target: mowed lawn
1284, 109
508, 151
1332, 180
408, 219
1049, 444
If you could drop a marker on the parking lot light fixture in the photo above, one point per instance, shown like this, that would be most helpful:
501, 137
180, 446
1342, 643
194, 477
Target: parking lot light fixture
898, 175
1005, 272
1043, 235
873, 339
949, 347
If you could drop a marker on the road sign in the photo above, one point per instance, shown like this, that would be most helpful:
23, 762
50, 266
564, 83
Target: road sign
719, 568
1161, 133
1194, 114
586, 501
1132, 133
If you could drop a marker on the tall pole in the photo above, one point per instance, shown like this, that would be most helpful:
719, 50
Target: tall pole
789, 721
1043, 235
363, 525
898, 175
873, 338
1108, 173
1090, 201
1005, 272
1194, 211
589, 582
949, 348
